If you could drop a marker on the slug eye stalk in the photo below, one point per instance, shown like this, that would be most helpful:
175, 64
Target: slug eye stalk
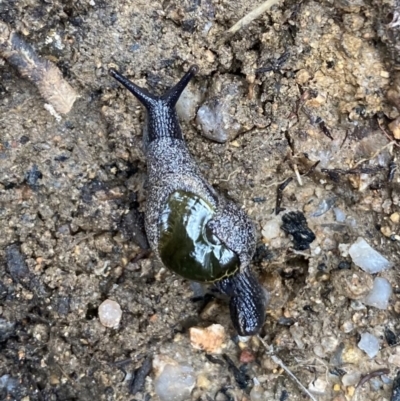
148, 99
162, 120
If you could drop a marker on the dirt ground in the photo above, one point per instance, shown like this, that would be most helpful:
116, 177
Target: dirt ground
308, 81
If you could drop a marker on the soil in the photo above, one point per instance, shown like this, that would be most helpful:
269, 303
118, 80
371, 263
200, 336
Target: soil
314, 82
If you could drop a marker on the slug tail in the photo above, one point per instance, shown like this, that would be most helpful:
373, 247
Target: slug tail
247, 303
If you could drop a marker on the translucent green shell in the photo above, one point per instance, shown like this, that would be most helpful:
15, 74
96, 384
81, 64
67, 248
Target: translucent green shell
185, 245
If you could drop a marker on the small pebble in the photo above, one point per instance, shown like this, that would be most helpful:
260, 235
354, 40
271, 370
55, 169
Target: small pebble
386, 231
380, 294
247, 356
329, 343
110, 313
270, 230
318, 386
211, 339
319, 351
188, 103
394, 126
8, 383
364, 256
323, 207
394, 360
344, 250
7, 329
257, 392
351, 378
395, 217
375, 384
316, 101
216, 117
369, 344
16, 264
175, 383
302, 76
340, 216
297, 333
357, 305
347, 326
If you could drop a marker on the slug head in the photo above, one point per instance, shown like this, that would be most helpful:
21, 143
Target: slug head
162, 120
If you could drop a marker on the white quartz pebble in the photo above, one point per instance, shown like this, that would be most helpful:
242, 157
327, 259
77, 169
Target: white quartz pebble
340, 216
110, 313
175, 383
369, 344
271, 230
364, 256
379, 295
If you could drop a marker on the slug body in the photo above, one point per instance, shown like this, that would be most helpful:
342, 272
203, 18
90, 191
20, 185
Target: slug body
192, 230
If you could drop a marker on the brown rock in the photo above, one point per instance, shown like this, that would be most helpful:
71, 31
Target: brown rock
395, 217
211, 339
394, 126
302, 76
247, 356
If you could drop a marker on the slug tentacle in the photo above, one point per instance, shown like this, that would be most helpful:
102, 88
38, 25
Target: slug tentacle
162, 119
173, 94
146, 98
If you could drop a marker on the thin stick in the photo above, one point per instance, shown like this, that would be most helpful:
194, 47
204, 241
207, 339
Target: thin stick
279, 362
230, 175
375, 154
296, 170
251, 16
279, 195
43, 73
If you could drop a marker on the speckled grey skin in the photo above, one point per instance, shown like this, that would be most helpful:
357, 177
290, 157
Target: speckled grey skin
171, 168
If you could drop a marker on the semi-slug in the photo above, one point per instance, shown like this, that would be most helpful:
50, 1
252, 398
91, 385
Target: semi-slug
191, 229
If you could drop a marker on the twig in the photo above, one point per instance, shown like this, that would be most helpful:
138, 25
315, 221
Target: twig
375, 154
251, 16
230, 175
140, 374
371, 375
325, 129
392, 170
311, 169
275, 183
298, 176
279, 362
43, 73
279, 194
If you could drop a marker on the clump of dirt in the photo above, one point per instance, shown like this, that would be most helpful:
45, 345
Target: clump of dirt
316, 86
